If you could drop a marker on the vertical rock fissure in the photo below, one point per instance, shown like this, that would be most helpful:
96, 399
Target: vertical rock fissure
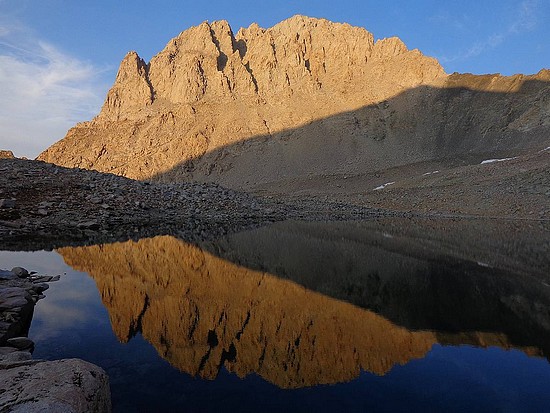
136, 327
254, 81
222, 57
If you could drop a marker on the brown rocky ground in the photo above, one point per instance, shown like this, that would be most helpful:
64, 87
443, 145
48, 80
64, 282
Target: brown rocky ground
44, 203
516, 188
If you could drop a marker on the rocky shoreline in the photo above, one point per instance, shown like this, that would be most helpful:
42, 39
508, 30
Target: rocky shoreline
44, 206
31, 385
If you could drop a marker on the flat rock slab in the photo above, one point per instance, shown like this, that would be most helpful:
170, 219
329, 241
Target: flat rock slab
20, 343
70, 385
7, 275
13, 297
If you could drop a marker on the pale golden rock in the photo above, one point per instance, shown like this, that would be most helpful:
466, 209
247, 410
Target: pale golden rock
304, 98
131, 91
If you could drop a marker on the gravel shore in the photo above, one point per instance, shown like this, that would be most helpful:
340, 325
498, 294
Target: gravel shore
43, 206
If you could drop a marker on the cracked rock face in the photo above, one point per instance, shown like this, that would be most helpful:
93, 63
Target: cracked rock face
210, 88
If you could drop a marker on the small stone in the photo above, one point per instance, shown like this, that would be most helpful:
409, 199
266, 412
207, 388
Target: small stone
21, 343
20, 272
7, 203
89, 225
45, 204
43, 212
40, 287
42, 279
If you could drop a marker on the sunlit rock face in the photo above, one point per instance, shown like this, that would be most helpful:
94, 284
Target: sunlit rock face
304, 98
202, 313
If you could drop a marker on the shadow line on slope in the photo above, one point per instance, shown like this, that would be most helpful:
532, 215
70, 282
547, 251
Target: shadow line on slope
445, 126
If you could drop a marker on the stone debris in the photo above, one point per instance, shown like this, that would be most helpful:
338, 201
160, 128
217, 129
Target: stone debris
124, 208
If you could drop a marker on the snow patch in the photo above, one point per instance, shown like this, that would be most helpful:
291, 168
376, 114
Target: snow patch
497, 160
430, 173
383, 186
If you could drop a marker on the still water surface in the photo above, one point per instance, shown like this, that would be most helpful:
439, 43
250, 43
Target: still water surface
304, 317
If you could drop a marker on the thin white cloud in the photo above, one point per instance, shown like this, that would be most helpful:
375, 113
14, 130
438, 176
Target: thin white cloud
527, 17
43, 92
526, 21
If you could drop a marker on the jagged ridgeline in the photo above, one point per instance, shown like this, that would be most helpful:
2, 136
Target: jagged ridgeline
304, 98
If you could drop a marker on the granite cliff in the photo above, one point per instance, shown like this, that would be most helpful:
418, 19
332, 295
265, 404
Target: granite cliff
305, 98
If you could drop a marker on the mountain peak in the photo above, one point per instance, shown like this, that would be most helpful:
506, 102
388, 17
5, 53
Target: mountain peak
299, 55
304, 98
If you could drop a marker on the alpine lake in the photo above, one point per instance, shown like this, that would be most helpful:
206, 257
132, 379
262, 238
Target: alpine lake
384, 315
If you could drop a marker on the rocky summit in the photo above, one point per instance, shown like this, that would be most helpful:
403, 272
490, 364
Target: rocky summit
278, 109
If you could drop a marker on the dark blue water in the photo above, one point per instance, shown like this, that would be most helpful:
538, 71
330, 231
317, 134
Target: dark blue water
73, 322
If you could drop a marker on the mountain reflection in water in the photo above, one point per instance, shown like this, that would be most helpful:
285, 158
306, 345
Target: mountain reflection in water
307, 304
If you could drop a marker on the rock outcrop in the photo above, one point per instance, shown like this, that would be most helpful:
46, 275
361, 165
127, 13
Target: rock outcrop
69, 385
29, 385
6, 154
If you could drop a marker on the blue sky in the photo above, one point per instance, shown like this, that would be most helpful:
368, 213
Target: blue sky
59, 57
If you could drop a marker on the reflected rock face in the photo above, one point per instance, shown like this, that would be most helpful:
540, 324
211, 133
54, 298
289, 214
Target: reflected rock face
457, 277
202, 313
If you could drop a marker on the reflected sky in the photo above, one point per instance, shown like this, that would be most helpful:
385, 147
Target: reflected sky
73, 291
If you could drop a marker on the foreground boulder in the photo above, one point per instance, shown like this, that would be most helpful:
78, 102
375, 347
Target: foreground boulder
54, 386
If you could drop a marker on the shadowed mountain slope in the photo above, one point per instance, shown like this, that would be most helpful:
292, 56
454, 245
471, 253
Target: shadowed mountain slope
305, 98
